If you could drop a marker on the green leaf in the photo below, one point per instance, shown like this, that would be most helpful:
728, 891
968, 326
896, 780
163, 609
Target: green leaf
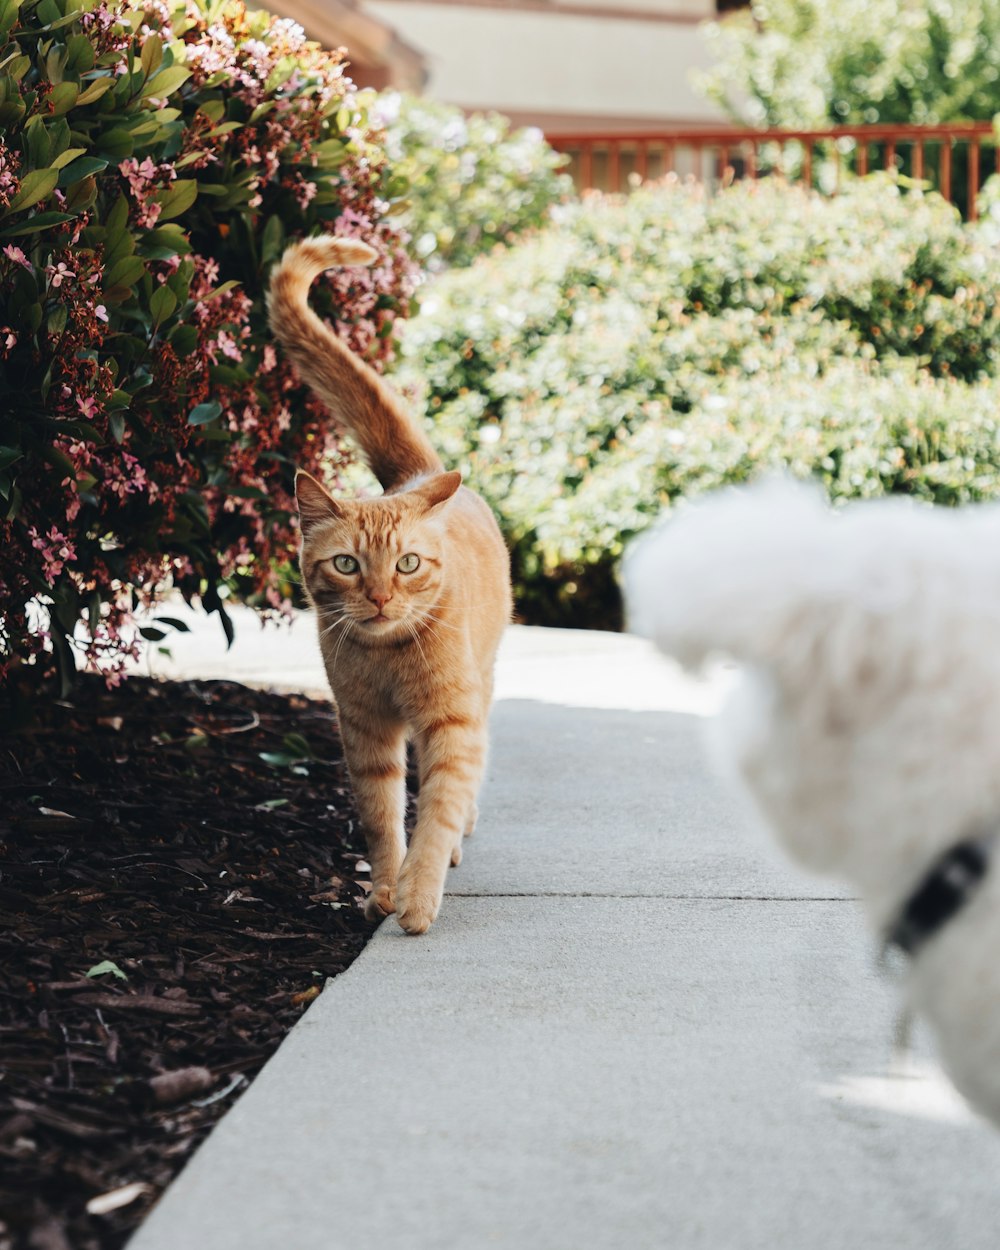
151, 633
9, 10
39, 144
183, 339
8, 456
80, 55
64, 158
273, 240
117, 423
92, 93
165, 83
63, 97
106, 966
40, 221
152, 53
175, 623
178, 198
161, 304
116, 143
278, 759
125, 272
220, 290
164, 242
297, 743
34, 187
82, 168
204, 413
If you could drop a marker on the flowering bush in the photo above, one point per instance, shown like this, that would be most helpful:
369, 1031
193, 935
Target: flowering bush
153, 162
809, 63
643, 350
472, 182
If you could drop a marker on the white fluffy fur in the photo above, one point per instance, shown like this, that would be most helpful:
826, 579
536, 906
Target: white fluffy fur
867, 730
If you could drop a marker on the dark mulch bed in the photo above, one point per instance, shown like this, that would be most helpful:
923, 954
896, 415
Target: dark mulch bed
200, 837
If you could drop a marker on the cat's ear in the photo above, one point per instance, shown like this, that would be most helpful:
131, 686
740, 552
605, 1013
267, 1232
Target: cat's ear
438, 489
315, 504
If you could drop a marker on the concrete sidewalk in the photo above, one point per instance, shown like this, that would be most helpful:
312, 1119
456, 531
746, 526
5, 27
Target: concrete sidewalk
632, 1025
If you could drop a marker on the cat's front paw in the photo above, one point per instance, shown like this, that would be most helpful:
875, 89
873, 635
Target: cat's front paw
417, 904
380, 903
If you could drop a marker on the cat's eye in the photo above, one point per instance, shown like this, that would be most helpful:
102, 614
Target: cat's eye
345, 564
408, 563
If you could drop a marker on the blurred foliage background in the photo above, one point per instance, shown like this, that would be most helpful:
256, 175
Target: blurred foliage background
804, 64
643, 349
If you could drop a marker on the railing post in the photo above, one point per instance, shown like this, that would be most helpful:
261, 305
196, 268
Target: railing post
726, 148
945, 187
586, 166
972, 210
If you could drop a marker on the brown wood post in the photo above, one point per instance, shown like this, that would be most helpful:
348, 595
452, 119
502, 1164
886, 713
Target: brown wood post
890, 154
945, 187
586, 166
862, 158
972, 210
918, 160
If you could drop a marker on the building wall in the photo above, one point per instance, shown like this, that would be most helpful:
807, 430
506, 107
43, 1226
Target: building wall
559, 65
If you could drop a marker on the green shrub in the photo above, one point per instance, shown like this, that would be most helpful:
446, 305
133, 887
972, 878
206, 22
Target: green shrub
472, 182
153, 162
647, 349
812, 63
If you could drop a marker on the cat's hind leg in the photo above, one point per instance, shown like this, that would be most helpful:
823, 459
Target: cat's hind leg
467, 832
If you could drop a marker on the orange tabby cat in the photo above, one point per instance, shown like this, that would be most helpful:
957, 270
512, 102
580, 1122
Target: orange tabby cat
412, 591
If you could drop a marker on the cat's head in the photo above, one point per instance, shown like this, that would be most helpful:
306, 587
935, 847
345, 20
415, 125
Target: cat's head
374, 567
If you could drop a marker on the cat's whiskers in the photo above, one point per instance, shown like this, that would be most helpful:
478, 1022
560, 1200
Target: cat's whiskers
416, 638
347, 621
426, 615
341, 616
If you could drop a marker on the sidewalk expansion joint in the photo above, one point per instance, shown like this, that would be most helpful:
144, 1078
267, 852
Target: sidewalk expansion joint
681, 898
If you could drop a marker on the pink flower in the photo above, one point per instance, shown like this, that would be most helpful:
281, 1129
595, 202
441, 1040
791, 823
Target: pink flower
101, 313
55, 548
17, 256
59, 273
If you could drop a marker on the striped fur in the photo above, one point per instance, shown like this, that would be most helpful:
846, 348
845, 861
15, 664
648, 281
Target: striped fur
409, 654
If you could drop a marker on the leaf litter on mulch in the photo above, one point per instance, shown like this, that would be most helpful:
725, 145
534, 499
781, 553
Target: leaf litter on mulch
180, 870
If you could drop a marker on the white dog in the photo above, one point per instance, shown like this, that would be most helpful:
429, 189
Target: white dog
867, 729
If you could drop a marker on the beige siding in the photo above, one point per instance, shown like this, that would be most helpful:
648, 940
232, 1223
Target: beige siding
557, 65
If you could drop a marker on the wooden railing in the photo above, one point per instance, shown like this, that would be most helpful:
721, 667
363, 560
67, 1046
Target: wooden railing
949, 158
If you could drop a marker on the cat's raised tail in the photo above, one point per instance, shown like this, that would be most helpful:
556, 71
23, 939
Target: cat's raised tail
390, 438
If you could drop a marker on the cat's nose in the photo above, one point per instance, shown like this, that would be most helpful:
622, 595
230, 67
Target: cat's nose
379, 600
